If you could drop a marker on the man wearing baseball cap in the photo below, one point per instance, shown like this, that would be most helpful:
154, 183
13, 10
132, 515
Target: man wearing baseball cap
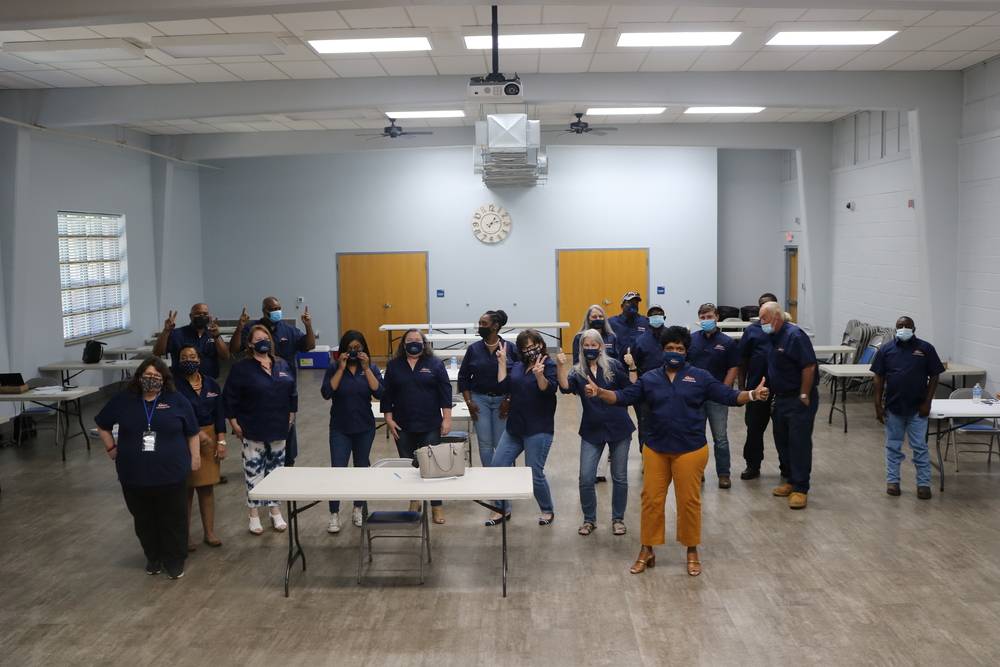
630, 324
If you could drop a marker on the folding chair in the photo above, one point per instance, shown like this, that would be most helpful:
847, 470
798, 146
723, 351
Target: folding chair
32, 412
965, 427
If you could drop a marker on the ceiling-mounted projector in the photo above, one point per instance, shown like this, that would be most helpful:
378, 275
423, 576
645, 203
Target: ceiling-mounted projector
495, 88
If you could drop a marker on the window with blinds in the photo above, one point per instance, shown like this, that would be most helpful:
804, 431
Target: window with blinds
93, 275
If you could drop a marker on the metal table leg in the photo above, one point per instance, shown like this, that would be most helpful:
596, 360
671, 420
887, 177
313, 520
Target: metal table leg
294, 546
503, 531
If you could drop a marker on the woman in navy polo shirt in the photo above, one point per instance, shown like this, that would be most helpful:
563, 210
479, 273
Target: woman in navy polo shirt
477, 382
417, 401
157, 449
531, 419
205, 397
260, 403
676, 449
601, 424
350, 385
597, 320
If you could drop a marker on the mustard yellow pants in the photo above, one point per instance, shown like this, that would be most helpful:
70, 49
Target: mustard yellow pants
685, 471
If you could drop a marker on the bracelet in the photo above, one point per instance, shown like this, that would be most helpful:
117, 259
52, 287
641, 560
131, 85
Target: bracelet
632, 370
752, 397
110, 448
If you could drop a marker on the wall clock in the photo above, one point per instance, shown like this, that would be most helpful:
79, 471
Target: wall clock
491, 223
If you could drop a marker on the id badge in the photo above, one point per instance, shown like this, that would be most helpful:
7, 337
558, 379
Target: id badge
149, 441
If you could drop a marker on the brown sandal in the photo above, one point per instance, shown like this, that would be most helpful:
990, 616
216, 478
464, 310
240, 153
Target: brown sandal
694, 567
642, 563
587, 528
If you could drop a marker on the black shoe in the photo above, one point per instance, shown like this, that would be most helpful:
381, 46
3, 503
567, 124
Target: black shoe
750, 473
496, 522
175, 572
600, 478
153, 567
924, 492
223, 479
892, 488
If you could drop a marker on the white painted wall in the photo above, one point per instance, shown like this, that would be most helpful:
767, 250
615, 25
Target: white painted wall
287, 217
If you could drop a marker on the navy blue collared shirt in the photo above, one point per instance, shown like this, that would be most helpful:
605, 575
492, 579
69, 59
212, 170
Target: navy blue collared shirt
181, 337
288, 340
478, 372
351, 401
907, 368
754, 347
626, 332
791, 351
610, 348
647, 353
532, 411
676, 424
602, 422
716, 353
173, 421
207, 404
415, 396
260, 402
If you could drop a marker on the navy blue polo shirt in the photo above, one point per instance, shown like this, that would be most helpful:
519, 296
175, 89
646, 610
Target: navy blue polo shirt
907, 367
260, 402
609, 346
676, 424
174, 422
715, 352
415, 396
602, 422
187, 335
754, 347
647, 353
626, 332
532, 411
478, 372
351, 401
207, 404
288, 340
791, 351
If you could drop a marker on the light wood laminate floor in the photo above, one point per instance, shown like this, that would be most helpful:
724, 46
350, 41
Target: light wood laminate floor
858, 577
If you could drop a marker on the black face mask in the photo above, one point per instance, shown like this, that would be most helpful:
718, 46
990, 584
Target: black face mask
200, 322
531, 356
484, 331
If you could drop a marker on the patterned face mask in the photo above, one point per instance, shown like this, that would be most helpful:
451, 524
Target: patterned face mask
190, 367
150, 384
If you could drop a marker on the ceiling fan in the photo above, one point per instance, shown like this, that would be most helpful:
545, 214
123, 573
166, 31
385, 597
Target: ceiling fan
392, 131
579, 126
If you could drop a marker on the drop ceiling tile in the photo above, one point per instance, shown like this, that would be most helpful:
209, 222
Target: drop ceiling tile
715, 61
260, 23
450, 43
616, 62
157, 74
304, 125
338, 124
182, 122
704, 14
970, 59
299, 23
834, 15
607, 42
170, 129
18, 36
835, 115
593, 17
81, 65
384, 17
969, 39
803, 116
526, 63
188, 27
209, 73
269, 126
824, 60
233, 127
256, 71
416, 66
59, 79
226, 60
200, 128
991, 20
560, 64
78, 32
767, 17
915, 39
19, 82
874, 60
15, 64
960, 19
450, 18
473, 65
510, 15
295, 51
140, 31
138, 128
355, 68
374, 124
772, 61
312, 69
157, 56
443, 122
669, 61
108, 76
926, 60
629, 14
762, 117
907, 16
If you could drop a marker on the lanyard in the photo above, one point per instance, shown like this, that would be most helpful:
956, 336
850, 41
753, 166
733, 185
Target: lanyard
149, 413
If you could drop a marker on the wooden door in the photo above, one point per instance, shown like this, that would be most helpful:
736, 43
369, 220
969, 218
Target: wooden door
587, 277
792, 282
376, 289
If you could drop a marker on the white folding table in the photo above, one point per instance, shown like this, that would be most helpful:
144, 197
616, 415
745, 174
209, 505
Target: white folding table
320, 484
46, 396
134, 351
957, 408
540, 327
66, 368
425, 326
835, 351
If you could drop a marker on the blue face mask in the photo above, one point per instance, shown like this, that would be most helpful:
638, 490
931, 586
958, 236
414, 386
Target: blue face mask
597, 324
352, 355
707, 325
591, 353
767, 328
414, 348
274, 316
673, 359
904, 334
656, 321
262, 346
631, 311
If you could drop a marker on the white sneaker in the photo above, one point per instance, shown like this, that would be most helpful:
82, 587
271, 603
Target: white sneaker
356, 516
334, 526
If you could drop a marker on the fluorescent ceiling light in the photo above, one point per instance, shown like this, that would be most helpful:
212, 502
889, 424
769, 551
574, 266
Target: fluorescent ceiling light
220, 46
625, 111
716, 110
75, 50
370, 44
831, 38
443, 113
553, 41
677, 38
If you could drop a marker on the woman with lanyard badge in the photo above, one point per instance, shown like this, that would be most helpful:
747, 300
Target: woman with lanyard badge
477, 382
157, 449
601, 423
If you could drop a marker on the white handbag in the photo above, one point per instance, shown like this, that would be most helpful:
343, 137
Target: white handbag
444, 460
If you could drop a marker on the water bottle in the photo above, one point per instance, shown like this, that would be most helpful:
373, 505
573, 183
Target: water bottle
977, 394
454, 364
430, 327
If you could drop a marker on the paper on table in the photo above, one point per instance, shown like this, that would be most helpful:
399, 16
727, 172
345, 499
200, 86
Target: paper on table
438, 479
48, 390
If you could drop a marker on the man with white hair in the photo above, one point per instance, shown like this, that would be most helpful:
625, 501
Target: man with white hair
794, 383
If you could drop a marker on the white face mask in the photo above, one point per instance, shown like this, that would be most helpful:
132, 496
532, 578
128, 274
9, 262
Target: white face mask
904, 334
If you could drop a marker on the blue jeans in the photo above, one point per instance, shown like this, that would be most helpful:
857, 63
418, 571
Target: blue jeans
342, 446
915, 428
536, 450
489, 428
793, 428
590, 454
717, 415
409, 442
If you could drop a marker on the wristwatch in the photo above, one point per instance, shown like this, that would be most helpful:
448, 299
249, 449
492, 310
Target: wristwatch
803, 395
221, 442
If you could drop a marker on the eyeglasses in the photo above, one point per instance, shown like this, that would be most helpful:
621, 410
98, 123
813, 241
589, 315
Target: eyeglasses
707, 305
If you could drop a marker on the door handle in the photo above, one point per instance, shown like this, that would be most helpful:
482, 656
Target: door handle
607, 303
387, 305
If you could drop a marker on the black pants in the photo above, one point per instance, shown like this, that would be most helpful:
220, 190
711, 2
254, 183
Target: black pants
160, 514
757, 417
291, 447
642, 417
793, 429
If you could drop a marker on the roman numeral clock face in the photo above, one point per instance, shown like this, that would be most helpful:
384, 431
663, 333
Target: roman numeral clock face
491, 223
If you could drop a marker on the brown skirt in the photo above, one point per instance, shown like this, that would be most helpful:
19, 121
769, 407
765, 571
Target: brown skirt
208, 473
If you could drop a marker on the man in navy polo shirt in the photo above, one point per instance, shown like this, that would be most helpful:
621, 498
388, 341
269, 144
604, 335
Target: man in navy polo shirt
754, 346
202, 333
794, 383
911, 368
629, 325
